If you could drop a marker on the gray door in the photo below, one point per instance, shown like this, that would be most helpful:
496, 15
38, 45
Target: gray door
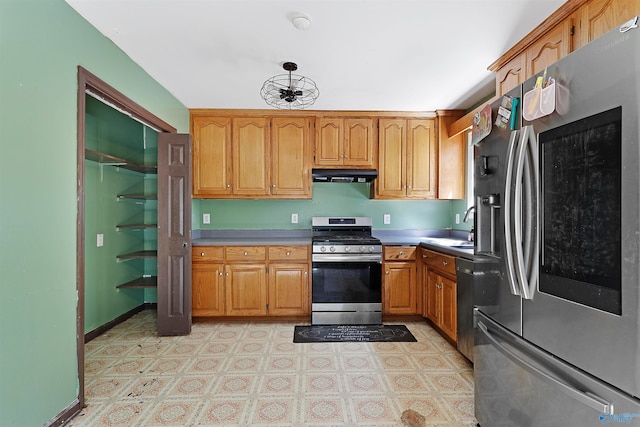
174, 234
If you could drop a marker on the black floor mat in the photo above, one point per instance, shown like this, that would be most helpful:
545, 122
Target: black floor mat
352, 333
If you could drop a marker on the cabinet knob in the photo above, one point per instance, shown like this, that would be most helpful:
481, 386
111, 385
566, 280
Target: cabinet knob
306, 273
288, 253
245, 253
273, 186
387, 272
220, 273
201, 253
228, 185
227, 274
401, 253
444, 263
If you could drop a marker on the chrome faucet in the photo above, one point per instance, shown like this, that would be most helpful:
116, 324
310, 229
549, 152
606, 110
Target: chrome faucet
467, 213
471, 236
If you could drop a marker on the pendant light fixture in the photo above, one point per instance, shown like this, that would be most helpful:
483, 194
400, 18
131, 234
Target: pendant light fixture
289, 91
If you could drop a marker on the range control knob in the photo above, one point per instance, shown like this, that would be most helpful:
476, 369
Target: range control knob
332, 249
347, 248
371, 248
323, 249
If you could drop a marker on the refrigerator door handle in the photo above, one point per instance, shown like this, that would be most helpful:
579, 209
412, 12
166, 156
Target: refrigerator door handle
526, 181
508, 213
587, 398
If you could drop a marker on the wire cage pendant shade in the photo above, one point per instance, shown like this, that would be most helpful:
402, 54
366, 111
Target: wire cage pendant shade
289, 91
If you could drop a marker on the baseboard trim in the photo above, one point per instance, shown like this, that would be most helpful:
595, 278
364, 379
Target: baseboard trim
63, 417
104, 328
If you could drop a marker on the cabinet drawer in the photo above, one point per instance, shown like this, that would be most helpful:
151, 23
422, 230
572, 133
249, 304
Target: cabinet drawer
442, 262
207, 253
245, 253
285, 253
399, 253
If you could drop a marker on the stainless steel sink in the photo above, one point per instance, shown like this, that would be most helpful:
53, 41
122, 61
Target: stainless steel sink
452, 243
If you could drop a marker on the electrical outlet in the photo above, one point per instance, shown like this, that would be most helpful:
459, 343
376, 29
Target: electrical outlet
386, 219
206, 218
294, 218
457, 218
100, 240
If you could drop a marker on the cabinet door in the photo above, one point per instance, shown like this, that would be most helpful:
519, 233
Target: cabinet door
358, 142
511, 74
400, 288
434, 303
421, 159
250, 156
391, 182
600, 16
288, 289
550, 48
208, 289
448, 318
328, 143
246, 289
211, 156
290, 157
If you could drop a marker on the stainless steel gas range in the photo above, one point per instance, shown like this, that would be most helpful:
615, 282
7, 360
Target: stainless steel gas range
346, 282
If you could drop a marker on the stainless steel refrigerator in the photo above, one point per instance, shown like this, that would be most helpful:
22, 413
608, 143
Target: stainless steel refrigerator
558, 205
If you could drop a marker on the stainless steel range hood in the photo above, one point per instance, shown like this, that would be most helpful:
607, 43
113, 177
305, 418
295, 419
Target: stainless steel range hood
344, 175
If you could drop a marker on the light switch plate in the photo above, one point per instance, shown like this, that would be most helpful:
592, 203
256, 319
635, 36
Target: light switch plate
206, 218
387, 218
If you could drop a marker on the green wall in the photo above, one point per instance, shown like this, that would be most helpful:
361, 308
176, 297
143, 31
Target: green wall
41, 45
111, 132
328, 199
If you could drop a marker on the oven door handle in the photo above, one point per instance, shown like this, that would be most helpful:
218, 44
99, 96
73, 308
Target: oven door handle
346, 258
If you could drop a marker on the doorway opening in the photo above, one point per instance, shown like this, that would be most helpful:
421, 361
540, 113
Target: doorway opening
91, 89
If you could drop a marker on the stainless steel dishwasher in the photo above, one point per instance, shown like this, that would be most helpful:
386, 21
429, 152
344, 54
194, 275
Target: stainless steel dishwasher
474, 287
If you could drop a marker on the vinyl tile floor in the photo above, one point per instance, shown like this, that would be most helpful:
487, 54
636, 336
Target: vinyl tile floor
252, 374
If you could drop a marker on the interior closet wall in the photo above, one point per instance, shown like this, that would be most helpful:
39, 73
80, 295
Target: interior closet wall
110, 131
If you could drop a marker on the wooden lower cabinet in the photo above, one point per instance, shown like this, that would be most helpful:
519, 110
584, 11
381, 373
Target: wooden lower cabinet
288, 289
241, 281
399, 280
207, 289
439, 291
246, 286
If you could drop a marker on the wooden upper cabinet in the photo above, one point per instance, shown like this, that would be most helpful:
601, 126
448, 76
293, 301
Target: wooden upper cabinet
343, 142
600, 16
406, 159
358, 142
421, 159
251, 157
573, 25
550, 48
392, 152
290, 157
510, 75
212, 156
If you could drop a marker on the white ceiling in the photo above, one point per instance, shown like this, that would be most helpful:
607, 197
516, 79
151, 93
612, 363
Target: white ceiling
388, 55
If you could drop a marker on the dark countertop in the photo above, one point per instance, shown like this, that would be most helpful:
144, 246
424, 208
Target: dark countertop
250, 237
303, 237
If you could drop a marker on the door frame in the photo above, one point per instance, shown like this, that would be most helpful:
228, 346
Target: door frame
89, 82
